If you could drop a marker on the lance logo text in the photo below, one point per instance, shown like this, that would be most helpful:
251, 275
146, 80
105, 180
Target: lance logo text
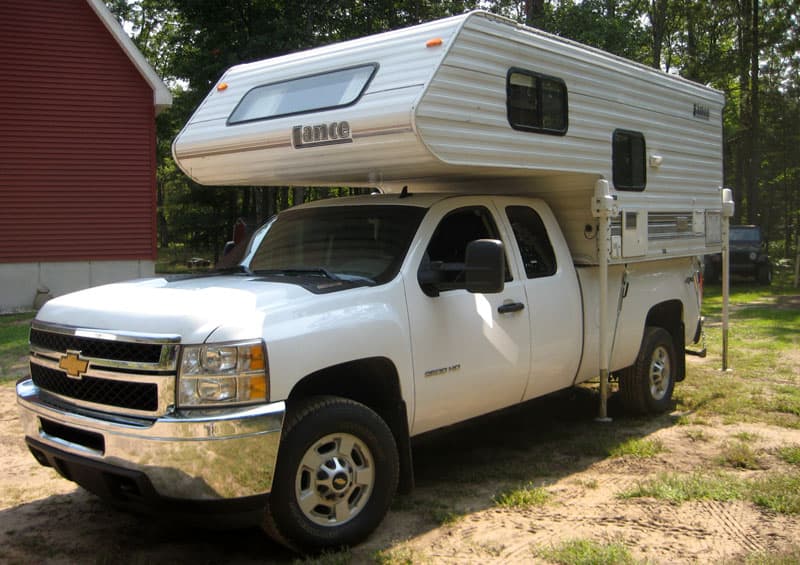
321, 134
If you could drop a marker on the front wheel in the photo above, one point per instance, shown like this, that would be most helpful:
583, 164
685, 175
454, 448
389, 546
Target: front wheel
337, 472
646, 386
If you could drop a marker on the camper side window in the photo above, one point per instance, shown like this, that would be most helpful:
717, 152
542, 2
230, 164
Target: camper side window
536, 103
630, 172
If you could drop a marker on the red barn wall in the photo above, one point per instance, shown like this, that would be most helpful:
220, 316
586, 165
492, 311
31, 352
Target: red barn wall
77, 139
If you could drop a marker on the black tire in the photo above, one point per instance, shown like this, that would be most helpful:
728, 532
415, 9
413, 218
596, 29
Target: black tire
337, 472
764, 274
647, 385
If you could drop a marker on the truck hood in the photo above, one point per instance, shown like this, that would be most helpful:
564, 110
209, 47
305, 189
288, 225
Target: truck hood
191, 308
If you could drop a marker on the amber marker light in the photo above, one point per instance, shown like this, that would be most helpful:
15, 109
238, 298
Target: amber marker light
256, 357
435, 42
222, 86
258, 388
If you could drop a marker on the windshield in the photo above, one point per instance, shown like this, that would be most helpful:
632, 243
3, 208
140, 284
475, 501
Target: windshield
746, 235
348, 243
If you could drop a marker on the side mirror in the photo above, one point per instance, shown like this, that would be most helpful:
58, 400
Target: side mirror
485, 266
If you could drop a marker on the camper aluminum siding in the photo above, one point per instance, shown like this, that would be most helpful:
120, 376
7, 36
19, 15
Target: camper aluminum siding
436, 118
384, 143
462, 118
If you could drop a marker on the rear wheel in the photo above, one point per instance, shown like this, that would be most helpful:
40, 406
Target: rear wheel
338, 470
647, 385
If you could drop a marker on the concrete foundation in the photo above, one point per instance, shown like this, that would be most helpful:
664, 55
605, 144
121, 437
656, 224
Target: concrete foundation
20, 282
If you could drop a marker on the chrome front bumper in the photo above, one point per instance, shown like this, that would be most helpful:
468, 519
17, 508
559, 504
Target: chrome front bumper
198, 455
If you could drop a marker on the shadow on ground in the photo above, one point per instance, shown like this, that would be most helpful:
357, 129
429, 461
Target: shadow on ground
459, 470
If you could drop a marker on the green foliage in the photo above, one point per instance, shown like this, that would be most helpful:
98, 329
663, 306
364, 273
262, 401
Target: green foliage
586, 552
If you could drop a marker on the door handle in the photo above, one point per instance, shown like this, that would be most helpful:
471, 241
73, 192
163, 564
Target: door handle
510, 307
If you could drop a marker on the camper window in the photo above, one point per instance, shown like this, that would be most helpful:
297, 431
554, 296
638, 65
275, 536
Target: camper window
312, 93
536, 103
629, 152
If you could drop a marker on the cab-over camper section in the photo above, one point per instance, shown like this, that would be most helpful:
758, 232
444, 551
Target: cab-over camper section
477, 103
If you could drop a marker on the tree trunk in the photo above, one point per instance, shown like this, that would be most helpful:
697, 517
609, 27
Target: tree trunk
658, 23
754, 206
534, 10
691, 43
298, 195
745, 146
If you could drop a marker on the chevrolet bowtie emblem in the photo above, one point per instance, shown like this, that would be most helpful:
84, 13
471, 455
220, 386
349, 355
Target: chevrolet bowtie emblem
73, 364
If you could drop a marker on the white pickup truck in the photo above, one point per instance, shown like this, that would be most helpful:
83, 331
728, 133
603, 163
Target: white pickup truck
355, 323
532, 252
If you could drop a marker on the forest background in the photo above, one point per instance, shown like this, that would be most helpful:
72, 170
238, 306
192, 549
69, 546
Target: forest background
749, 49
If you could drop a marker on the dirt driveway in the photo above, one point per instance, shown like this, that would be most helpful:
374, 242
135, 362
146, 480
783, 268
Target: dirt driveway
551, 446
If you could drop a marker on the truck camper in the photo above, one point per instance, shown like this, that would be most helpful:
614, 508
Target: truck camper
540, 206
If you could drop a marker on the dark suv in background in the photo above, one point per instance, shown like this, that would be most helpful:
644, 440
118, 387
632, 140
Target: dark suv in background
748, 257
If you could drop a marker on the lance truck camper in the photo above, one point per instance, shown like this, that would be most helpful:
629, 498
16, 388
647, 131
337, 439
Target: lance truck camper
540, 211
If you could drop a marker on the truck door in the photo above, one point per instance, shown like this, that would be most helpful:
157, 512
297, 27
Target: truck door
471, 351
555, 307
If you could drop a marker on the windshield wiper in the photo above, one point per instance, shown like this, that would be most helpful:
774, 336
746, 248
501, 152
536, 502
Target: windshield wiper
300, 271
234, 269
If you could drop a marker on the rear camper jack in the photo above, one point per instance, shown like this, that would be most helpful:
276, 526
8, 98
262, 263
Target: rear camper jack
727, 214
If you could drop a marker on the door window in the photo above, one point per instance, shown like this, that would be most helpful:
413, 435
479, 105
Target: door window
533, 241
446, 252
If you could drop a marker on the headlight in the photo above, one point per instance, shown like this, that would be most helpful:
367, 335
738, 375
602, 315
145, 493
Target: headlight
753, 255
221, 374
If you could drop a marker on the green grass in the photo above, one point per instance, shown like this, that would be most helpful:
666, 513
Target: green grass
13, 345
777, 492
528, 496
790, 556
327, 557
678, 488
637, 448
398, 556
764, 384
697, 435
586, 552
740, 455
790, 454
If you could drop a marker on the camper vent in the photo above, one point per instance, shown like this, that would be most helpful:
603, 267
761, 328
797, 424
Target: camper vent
670, 225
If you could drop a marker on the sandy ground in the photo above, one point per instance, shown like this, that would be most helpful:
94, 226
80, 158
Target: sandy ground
46, 519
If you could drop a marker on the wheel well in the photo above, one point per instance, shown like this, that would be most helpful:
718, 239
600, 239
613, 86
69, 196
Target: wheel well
375, 383
669, 315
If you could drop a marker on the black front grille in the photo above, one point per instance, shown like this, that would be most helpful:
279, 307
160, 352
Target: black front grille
97, 348
123, 394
